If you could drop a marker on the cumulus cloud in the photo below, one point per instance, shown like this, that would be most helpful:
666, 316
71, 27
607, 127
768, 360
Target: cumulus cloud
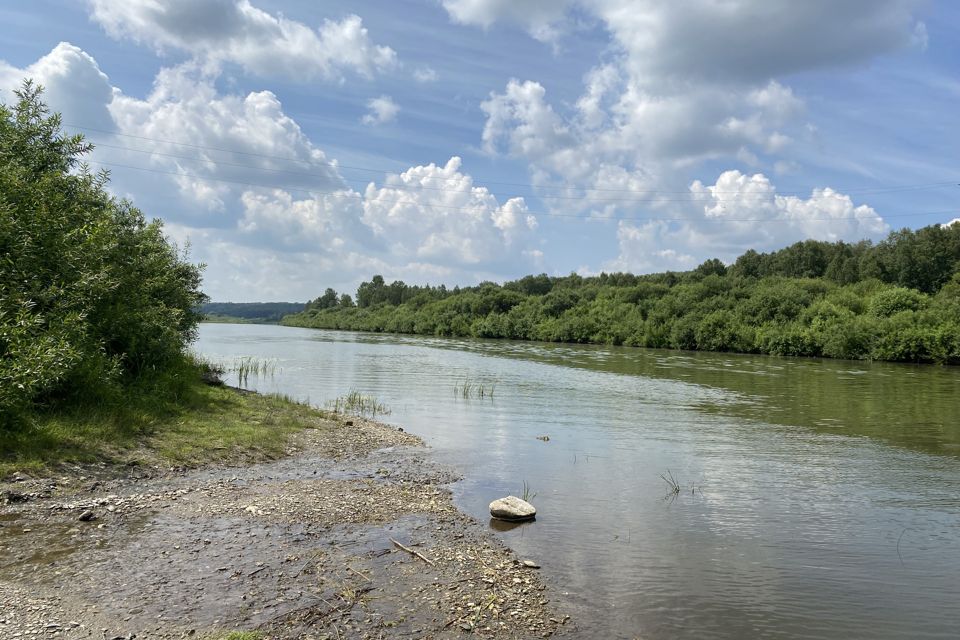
381, 111
437, 214
683, 84
741, 211
825, 215
212, 142
73, 82
621, 137
320, 223
235, 31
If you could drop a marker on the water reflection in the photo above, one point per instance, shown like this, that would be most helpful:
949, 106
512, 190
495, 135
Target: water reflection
804, 521
504, 525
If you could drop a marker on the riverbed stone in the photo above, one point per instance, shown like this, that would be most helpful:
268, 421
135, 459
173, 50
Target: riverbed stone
512, 509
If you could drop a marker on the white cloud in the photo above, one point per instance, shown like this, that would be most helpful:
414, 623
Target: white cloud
438, 215
425, 74
748, 200
642, 250
521, 118
74, 85
623, 137
234, 31
539, 17
743, 41
185, 126
320, 223
738, 212
683, 84
381, 111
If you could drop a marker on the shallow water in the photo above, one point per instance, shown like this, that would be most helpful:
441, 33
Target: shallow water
818, 499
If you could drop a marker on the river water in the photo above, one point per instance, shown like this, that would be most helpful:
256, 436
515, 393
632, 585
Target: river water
818, 499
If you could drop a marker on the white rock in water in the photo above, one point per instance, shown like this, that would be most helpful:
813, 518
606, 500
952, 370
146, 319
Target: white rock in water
512, 508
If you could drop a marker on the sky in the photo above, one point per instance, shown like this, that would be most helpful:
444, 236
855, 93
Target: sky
295, 145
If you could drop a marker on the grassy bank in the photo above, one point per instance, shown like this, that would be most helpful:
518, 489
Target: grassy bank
201, 424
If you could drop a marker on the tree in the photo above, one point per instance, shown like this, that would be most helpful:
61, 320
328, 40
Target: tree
327, 301
92, 296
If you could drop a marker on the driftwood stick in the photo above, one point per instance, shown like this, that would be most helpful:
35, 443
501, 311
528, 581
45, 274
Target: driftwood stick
412, 552
359, 573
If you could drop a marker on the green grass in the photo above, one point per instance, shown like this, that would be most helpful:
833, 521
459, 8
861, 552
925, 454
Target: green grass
239, 635
198, 424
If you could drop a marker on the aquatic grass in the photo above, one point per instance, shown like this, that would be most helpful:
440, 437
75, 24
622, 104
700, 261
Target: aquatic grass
248, 365
470, 389
673, 487
359, 404
527, 494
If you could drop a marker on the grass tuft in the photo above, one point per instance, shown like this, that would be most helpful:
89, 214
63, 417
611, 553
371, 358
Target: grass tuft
359, 404
469, 389
527, 494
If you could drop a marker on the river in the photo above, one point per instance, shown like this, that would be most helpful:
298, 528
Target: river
817, 498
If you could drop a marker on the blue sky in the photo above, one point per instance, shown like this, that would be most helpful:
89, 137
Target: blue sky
296, 145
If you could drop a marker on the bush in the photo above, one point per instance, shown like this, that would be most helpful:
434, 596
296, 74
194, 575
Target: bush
894, 300
92, 297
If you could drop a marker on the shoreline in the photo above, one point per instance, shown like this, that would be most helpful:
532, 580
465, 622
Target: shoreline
352, 533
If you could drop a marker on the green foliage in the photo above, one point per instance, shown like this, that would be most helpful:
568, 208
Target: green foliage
889, 302
92, 296
812, 298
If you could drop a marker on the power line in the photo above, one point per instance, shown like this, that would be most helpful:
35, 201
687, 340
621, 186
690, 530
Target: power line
341, 194
693, 198
861, 190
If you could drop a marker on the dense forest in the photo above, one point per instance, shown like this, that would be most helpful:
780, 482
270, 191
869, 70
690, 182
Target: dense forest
96, 306
256, 312
896, 300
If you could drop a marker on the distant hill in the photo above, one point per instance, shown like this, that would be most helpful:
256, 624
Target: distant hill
253, 312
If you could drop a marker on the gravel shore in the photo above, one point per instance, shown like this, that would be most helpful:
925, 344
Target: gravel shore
352, 535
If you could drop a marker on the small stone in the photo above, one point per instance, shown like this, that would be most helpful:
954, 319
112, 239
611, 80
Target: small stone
512, 509
530, 564
87, 516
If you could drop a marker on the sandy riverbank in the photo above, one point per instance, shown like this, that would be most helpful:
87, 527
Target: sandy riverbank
300, 547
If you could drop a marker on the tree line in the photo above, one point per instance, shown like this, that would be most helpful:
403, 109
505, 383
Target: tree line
895, 300
258, 312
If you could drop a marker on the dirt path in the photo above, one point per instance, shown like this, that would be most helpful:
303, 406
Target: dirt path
297, 548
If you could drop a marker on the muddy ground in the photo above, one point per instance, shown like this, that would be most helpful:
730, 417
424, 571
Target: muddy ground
310, 546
